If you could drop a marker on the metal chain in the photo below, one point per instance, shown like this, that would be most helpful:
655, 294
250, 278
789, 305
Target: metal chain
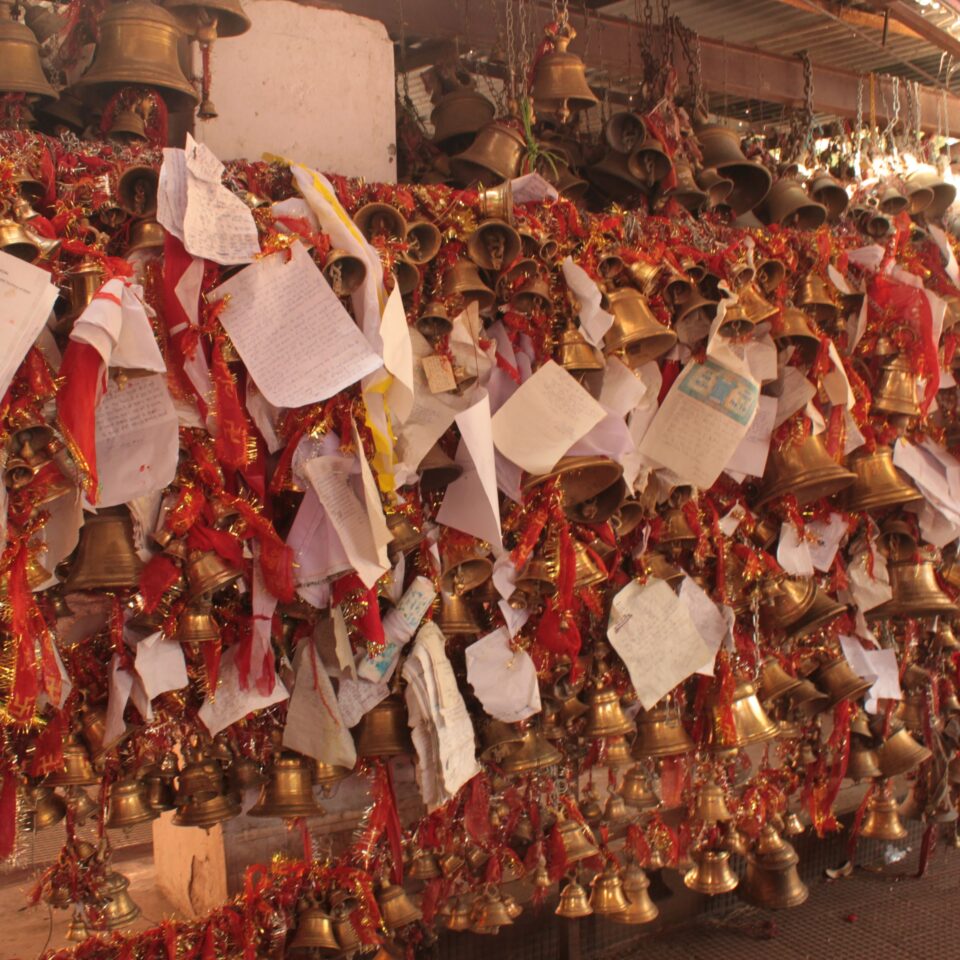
511, 51
523, 8
564, 13
404, 76
858, 129
807, 103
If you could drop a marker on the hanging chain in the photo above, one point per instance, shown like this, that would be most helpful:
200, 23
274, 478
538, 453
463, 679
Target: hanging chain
564, 19
858, 129
511, 51
647, 58
690, 47
808, 144
523, 8
404, 76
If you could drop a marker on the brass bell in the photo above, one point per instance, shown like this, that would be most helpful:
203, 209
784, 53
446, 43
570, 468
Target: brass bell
559, 84
288, 792
711, 804
900, 753
892, 201
687, 192
636, 336
456, 618
786, 601
636, 790
396, 908
383, 730
605, 717
380, 220
624, 130
574, 354
138, 47
463, 280
197, 624
128, 805
314, 931
830, 194
775, 682
437, 471
578, 841
804, 469
81, 286
532, 752
872, 222
879, 483
815, 298
612, 177
423, 241
77, 770
717, 187
755, 306
20, 68
120, 910
649, 162
591, 488
77, 929
607, 896
207, 813
589, 571
128, 126
615, 752
158, 788
823, 610
838, 681
943, 193
531, 297
750, 720
916, 592
424, 865
434, 321
711, 873
882, 819
692, 318
41, 808
896, 389
137, 190
207, 572
81, 805
145, 235
660, 734
574, 902
14, 239
862, 763
460, 114
788, 204
494, 156
490, 911
721, 151
615, 809
494, 245
344, 272
640, 907
106, 557
324, 774
199, 780
771, 879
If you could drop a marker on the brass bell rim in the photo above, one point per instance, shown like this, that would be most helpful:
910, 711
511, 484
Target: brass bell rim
207, 813
813, 485
450, 120
719, 860
761, 891
232, 20
603, 473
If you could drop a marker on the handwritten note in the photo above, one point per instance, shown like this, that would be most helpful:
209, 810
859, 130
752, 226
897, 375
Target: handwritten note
230, 702
26, 299
656, 638
541, 421
398, 627
160, 664
701, 422
750, 457
292, 332
137, 439
504, 679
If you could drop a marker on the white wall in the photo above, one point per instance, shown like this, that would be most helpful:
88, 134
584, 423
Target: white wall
308, 84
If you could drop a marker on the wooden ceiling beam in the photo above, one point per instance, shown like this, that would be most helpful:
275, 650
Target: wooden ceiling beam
908, 15
856, 18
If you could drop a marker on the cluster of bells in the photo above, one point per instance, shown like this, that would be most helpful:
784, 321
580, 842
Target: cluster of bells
137, 47
631, 164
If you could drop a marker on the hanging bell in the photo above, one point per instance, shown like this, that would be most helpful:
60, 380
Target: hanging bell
607, 896
106, 557
916, 592
830, 195
605, 716
612, 177
660, 734
314, 931
120, 910
711, 873
494, 156
615, 752
326, 774
687, 192
615, 810
943, 193
532, 752
624, 130
77, 929
789, 205
77, 769
872, 222
456, 617
211, 19
711, 804
207, 572
588, 569
459, 115
20, 69
636, 790
838, 681
424, 865
15, 241
693, 317
207, 813
775, 682
591, 488
756, 307
863, 763
771, 880
344, 272
559, 86
288, 792
721, 151
574, 354
128, 805
649, 162
197, 624
462, 280
578, 841
900, 753
158, 788
434, 321
640, 907
137, 190
814, 297
882, 819
879, 483
383, 730
396, 908
494, 245
823, 610
786, 601
896, 389
423, 242
718, 189
40, 808
574, 902
891, 201
138, 47
750, 721
804, 469
437, 471
144, 236
636, 336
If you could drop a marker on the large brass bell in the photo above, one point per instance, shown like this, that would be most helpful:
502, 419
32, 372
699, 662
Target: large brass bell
20, 68
942, 193
578, 841
605, 717
591, 488
660, 734
120, 910
128, 805
574, 902
559, 87
788, 204
896, 389
687, 192
916, 592
636, 336
106, 557
751, 722
721, 151
882, 819
636, 790
804, 469
771, 879
138, 47
826, 191
314, 931
607, 896
900, 753
77, 770
494, 156
459, 114
838, 681
533, 752
640, 907
383, 731
879, 483
288, 792
396, 908
711, 873
612, 177
786, 601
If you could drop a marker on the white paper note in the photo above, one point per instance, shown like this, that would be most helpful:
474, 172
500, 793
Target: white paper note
796, 391
532, 188
27, 296
231, 703
121, 683
594, 320
503, 679
544, 418
137, 439
357, 697
160, 665
713, 623
701, 422
825, 537
656, 638
750, 457
292, 332
793, 553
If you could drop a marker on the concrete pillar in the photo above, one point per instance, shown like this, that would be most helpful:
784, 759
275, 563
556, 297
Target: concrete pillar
191, 866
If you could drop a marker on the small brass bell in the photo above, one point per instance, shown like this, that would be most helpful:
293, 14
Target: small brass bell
828, 192
879, 483
574, 902
896, 389
615, 752
712, 804
607, 896
462, 280
106, 556
423, 241
771, 879
41, 808
649, 162
756, 307
206, 813
605, 717
137, 190
145, 236
396, 908
559, 85
314, 931
325, 774
660, 734
383, 730
288, 792
916, 592
804, 469
77, 769
344, 272
588, 570
943, 193
636, 790
381, 220
81, 804
494, 245
14, 239
900, 753
456, 618
615, 809
197, 624
574, 354
711, 873
490, 911
533, 752
77, 929
775, 682
578, 842
424, 865
882, 819
814, 297
636, 336
120, 910
591, 488
128, 806
434, 321
838, 681
862, 763
159, 788
640, 907
207, 572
